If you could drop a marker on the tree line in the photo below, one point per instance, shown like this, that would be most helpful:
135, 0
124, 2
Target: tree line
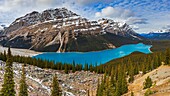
50, 64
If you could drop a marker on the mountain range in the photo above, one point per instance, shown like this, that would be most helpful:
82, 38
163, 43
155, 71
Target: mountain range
61, 30
160, 35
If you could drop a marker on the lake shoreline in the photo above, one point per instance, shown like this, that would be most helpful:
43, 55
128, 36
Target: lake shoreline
95, 57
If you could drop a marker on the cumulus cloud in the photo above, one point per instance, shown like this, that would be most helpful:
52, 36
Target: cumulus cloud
112, 12
136, 20
86, 2
135, 27
22, 5
120, 14
12, 9
166, 27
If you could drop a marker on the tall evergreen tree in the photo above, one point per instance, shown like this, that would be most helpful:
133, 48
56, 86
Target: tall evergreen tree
5, 57
91, 68
8, 84
86, 67
167, 59
131, 71
124, 85
118, 89
147, 83
56, 91
23, 85
73, 67
66, 68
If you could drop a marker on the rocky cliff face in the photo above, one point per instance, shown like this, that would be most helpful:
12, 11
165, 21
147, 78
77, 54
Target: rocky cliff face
61, 30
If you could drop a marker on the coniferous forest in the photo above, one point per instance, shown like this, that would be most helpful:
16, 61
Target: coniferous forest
122, 71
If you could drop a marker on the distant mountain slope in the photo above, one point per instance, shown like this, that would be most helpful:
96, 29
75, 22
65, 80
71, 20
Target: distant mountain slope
62, 30
157, 36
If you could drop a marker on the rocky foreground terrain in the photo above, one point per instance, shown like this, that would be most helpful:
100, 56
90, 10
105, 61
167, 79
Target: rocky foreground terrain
39, 81
78, 83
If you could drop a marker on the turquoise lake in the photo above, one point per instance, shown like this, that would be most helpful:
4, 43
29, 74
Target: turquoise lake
96, 57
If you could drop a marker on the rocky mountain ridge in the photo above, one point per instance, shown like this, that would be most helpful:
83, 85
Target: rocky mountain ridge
63, 30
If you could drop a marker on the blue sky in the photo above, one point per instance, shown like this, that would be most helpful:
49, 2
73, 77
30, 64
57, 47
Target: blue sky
141, 15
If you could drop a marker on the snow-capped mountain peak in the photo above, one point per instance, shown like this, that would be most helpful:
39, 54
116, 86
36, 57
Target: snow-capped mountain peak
57, 26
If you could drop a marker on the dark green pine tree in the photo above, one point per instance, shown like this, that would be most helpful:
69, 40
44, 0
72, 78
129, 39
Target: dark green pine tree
56, 91
98, 86
131, 71
124, 85
167, 58
5, 57
73, 67
147, 83
86, 67
23, 85
66, 69
8, 84
118, 89
91, 68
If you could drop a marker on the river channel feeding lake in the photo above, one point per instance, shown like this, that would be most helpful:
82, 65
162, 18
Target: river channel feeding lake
97, 57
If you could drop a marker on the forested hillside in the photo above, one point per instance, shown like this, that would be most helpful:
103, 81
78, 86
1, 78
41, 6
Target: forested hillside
120, 72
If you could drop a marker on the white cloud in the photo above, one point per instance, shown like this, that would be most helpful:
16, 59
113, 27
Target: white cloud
12, 9
136, 20
121, 15
166, 27
114, 13
86, 2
